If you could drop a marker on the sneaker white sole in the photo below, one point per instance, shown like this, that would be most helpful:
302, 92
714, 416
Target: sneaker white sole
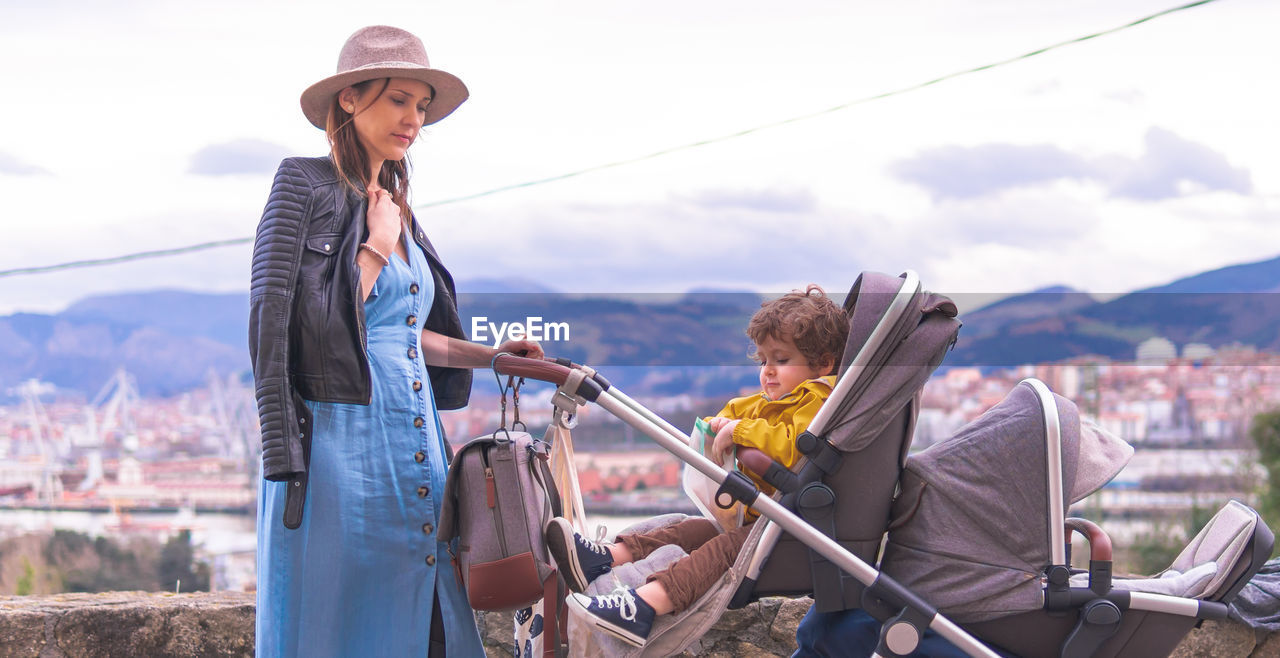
576, 608
565, 553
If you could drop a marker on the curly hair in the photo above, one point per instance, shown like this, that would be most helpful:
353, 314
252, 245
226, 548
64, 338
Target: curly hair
816, 325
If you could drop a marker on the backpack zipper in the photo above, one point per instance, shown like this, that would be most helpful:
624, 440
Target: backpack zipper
491, 496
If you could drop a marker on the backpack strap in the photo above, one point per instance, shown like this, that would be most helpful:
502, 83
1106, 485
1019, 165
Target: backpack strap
539, 456
550, 616
555, 618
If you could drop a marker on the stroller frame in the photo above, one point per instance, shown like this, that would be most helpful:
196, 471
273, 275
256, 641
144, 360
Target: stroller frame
904, 614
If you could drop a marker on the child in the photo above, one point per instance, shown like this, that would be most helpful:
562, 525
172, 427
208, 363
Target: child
798, 340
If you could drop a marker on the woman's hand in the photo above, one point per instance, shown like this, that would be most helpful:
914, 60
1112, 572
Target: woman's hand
440, 350
724, 439
383, 221
527, 348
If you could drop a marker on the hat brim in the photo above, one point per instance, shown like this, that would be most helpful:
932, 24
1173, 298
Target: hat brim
448, 92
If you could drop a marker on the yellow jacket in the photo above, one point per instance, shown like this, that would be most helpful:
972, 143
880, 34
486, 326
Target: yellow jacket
773, 425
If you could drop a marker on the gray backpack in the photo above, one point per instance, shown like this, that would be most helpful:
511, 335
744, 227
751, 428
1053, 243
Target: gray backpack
498, 499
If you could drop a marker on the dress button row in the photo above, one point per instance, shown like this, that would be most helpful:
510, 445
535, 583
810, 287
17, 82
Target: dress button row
419, 456
423, 491
426, 528
411, 320
417, 386
413, 352
413, 288
418, 422
431, 560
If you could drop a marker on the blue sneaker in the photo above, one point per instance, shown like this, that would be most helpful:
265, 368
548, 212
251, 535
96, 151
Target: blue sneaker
621, 613
579, 559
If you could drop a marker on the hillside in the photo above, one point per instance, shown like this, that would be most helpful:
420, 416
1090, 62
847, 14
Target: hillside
664, 344
1233, 304
171, 340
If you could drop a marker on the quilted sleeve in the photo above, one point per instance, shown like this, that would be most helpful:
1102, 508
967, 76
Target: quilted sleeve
276, 257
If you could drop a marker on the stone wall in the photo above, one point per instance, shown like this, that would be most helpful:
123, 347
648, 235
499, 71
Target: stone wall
127, 624
221, 624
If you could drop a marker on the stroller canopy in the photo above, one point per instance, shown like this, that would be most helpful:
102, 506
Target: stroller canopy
971, 527
913, 346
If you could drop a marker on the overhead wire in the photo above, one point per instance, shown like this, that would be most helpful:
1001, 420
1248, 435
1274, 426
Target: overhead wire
156, 253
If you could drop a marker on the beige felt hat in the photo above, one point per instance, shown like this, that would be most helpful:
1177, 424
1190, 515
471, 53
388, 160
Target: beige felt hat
381, 51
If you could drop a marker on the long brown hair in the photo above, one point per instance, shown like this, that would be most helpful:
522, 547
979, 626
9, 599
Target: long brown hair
352, 161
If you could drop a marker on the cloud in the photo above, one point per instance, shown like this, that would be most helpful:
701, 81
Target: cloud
1045, 87
660, 247
960, 172
771, 200
1170, 164
242, 156
1129, 96
1169, 167
1022, 218
15, 167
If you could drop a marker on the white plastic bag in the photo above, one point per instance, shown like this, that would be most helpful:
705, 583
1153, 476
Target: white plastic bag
702, 489
530, 622
565, 474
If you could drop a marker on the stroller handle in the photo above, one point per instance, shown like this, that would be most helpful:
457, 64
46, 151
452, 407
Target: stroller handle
506, 363
755, 460
1099, 541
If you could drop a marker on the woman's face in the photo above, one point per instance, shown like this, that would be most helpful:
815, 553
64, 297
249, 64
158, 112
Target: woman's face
388, 123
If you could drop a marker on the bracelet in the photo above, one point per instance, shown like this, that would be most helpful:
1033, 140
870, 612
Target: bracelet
377, 254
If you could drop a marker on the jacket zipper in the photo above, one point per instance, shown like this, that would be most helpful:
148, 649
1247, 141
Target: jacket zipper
366, 376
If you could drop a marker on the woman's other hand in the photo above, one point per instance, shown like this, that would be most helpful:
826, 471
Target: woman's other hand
383, 221
529, 349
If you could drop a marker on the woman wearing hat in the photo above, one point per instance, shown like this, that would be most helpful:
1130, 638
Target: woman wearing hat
356, 344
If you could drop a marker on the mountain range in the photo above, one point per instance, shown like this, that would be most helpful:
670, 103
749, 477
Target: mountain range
1235, 304
691, 343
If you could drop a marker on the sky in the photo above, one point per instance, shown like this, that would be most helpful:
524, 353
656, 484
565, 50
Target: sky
1122, 162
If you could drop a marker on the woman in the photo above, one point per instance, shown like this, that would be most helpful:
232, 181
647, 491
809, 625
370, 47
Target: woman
356, 343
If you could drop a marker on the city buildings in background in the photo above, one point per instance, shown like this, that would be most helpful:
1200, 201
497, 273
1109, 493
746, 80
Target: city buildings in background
120, 464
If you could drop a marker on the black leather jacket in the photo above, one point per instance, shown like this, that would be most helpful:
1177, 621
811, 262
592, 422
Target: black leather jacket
306, 321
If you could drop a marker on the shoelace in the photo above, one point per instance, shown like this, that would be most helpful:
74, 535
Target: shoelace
598, 549
622, 599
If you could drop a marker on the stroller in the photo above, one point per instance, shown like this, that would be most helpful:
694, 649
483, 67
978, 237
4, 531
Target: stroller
821, 533
1002, 569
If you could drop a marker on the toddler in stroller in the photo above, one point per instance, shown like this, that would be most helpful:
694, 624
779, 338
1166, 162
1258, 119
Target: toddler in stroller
798, 341
854, 451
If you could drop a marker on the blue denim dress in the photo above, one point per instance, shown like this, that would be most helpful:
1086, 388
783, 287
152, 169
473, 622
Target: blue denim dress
360, 575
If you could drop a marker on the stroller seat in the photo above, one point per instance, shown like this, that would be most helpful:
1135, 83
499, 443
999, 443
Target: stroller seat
979, 532
1203, 570
1169, 582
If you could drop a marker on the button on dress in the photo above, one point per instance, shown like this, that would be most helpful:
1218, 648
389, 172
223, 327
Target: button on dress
360, 576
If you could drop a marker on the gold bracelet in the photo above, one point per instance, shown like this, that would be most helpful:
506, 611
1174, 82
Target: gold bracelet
377, 254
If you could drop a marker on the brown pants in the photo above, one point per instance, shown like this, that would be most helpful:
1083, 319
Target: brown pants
710, 556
